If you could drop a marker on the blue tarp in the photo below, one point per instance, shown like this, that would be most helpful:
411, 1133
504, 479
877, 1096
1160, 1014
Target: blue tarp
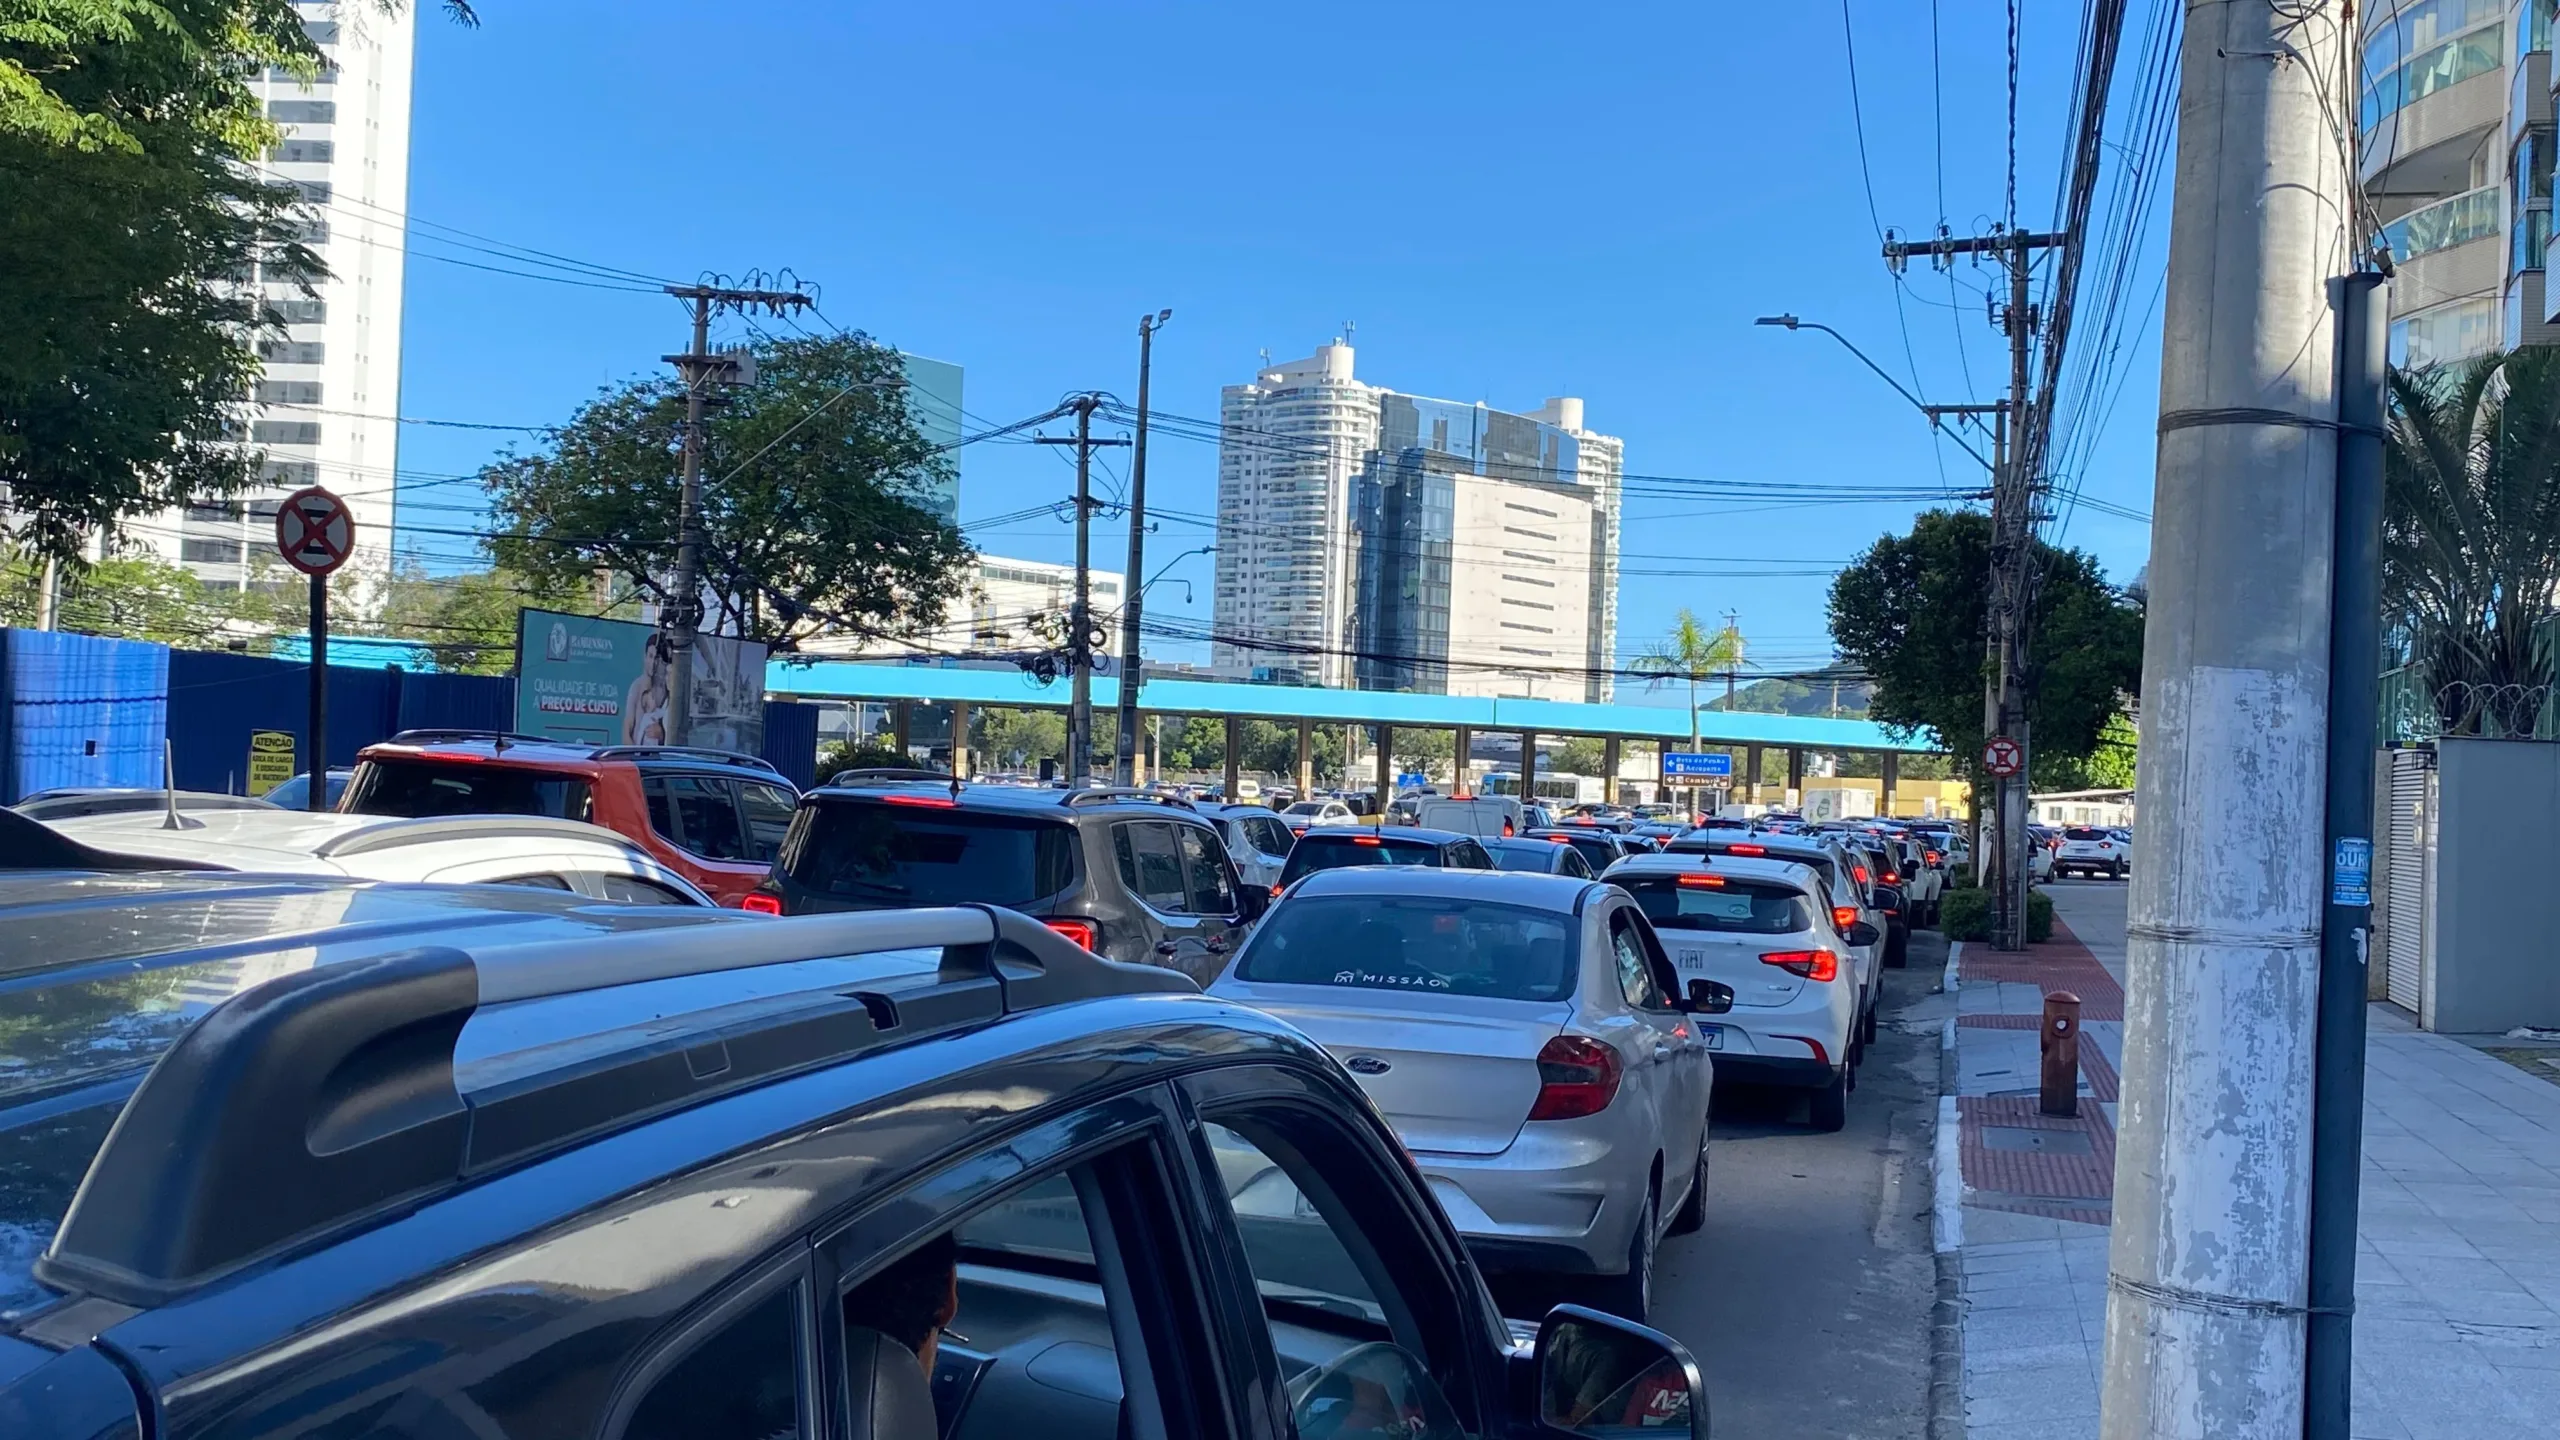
81, 710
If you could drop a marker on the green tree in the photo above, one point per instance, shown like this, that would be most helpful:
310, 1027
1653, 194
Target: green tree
130, 597
1580, 755
812, 501
140, 252
2471, 534
469, 620
1691, 652
1019, 739
1910, 613
2108, 766
1429, 751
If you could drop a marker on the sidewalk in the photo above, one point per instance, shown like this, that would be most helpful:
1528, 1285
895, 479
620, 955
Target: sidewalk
2458, 1275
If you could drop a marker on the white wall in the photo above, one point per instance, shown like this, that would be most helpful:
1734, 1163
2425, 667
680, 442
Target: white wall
1519, 589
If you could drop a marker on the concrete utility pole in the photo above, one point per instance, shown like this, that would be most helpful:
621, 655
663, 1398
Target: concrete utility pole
1125, 766
701, 370
1081, 632
2013, 505
2207, 1291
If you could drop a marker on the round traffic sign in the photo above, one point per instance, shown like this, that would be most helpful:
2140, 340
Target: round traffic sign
2003, 756
314, 532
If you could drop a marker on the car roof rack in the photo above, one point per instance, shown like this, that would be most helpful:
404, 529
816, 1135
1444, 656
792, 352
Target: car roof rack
1115, 794
892, 775
325, 1100
502, 738
687, 752
393, 832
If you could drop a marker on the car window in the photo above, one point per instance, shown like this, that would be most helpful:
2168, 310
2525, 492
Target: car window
1212, 893
1321, 1260
1572, 863
768, 810
706, 813
636, 890
1334, 852
1517, 855
662, 817
427, 786
1151, 864
543, 881
742, 1379
1269, 835
1469, 855
1692, 901
924, 854
1635, 969
1413, 942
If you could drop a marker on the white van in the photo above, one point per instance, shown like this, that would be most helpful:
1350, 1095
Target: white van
1484, 816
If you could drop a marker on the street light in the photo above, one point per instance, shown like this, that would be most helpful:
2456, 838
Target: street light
1791, 322
1168, 566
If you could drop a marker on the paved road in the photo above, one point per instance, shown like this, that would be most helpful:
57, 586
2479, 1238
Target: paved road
1807, 1295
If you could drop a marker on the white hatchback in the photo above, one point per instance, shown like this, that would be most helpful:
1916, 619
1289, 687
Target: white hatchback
449, 850
1766, 928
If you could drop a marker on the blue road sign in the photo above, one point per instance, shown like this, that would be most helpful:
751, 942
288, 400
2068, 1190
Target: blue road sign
1682, 765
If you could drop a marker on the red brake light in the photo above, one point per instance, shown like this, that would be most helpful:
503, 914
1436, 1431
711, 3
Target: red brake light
1711, 882
456, 756
1932, 856
1506, 827
760, 903
1559, 840
1891, 878
1811, 964
1577, 1076
1860, 871
1844, 916
1275, 892
1366, 840
1080, 931
929, 802
1746, 849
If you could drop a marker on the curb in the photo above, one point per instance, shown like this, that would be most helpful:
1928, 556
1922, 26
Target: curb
1946, 1231
1951, 979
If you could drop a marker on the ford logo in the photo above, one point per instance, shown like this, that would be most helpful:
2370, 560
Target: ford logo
1367, 1065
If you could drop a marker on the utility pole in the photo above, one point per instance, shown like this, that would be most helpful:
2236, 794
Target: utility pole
1125, 765
2208, 1294
1081, 636
49, 593
701, 370
2013, 505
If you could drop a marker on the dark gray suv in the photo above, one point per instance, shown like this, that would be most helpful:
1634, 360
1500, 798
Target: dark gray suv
1129, 874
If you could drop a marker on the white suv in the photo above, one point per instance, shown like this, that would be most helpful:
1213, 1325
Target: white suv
1765, 927
449, 850
2087, 850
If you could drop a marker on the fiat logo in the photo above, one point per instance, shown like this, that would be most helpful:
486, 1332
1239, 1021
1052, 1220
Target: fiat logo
1367, 1065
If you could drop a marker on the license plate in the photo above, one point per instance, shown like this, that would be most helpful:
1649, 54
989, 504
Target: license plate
1713, 1035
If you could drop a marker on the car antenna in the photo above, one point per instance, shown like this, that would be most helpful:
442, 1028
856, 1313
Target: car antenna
169, 786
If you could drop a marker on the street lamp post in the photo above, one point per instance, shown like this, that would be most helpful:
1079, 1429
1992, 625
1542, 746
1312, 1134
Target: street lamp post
1933, 412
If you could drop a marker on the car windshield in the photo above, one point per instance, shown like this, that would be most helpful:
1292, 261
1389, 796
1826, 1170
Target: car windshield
891, 854
429, 786
1536, 855
1334, 852
1310, 807
1413, 942
1719, 902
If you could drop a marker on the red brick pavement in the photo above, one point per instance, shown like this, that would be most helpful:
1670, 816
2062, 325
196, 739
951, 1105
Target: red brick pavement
2058, 1182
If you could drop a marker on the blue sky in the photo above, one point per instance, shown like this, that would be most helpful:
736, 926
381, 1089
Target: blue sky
1511, 201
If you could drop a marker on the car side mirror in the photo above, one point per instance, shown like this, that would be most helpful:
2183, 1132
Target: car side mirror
1599, 1375
1862, 933
1709, 997
1888, 898
1252, 901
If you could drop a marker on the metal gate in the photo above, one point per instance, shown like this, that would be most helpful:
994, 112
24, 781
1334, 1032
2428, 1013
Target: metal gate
2409, 934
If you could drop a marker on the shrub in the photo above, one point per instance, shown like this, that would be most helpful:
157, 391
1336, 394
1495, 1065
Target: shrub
1966, 915
841, 756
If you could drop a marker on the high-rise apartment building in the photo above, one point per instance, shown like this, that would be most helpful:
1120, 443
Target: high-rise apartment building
1389, 541
933, 401
325, 409
2454, 151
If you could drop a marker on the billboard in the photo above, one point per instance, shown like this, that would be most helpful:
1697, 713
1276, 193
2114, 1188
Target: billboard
612, 682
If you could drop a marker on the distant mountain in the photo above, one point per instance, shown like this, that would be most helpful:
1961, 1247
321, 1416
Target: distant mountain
1799, 697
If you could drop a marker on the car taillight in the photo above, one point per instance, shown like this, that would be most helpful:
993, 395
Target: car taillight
760, 903
929, 802
1367, 840
1933, 857
1860, 871
1844, 916
1890, 878
1577, 1076
1709, 882
1275, 892
1746, 849
1811, 964
1080, 931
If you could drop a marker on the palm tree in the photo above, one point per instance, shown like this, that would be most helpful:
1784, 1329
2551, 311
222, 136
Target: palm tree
1691, 652
2471, 533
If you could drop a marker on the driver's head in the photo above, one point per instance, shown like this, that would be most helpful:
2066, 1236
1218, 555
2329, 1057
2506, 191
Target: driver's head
912, 1300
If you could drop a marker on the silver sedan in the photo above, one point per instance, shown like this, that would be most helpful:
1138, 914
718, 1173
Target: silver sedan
1524, 1035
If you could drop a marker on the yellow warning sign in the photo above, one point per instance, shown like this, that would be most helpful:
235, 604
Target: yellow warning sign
270, 759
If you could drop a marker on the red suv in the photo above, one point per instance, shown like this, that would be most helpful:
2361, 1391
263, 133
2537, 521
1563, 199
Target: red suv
713, 815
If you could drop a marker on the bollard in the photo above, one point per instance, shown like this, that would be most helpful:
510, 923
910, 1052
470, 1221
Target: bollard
2061, 1054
